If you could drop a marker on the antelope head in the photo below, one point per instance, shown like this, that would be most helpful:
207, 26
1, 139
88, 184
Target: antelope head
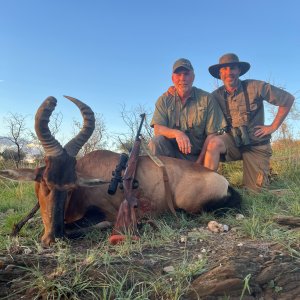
56, 181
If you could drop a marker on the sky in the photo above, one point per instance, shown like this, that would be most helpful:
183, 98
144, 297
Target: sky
114, 53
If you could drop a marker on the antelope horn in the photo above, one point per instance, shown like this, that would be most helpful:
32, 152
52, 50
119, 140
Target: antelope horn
73, 146
51, 146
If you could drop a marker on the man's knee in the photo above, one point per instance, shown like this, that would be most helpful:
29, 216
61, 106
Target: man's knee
215, 144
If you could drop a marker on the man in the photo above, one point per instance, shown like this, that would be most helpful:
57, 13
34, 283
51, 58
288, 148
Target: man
248, 139
183, 119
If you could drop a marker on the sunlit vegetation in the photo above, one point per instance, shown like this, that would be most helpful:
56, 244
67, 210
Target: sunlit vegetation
91, 268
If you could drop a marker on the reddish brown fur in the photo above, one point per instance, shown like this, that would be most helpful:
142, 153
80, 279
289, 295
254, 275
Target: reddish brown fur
63, 199
192, 187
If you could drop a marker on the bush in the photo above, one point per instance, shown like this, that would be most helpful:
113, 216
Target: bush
9, 154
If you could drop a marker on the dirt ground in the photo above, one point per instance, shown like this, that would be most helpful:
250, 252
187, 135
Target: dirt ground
271, 270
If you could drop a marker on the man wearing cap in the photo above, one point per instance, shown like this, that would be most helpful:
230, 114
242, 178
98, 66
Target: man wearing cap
184, 119
248, 138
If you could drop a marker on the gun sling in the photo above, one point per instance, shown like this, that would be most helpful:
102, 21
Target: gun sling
161, 165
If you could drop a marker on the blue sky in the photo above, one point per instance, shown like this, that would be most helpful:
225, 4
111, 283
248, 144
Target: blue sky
109, 53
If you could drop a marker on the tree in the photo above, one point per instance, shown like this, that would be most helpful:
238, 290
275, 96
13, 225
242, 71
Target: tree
10, 154
131, 118
284, 132
55, 123
54, 127
17, 130
98, 140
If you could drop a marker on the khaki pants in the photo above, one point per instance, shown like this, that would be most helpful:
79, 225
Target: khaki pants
160, 145
256, 162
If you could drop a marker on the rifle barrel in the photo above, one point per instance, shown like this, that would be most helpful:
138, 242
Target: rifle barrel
140, 127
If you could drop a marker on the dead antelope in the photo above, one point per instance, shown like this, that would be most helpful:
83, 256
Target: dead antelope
68, 189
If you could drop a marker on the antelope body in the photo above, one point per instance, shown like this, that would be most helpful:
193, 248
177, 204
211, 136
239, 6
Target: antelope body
67, 189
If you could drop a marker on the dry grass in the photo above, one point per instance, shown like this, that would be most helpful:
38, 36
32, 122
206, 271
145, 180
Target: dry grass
90, 268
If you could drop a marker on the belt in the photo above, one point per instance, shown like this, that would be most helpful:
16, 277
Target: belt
248, 147
261, 143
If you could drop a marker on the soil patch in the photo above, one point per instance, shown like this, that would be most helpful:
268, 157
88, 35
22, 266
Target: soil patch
234, 266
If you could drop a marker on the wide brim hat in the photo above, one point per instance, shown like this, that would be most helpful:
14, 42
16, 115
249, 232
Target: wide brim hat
226, 60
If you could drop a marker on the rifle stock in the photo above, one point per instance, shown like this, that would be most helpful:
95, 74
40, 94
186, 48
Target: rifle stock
128, 179
126, 218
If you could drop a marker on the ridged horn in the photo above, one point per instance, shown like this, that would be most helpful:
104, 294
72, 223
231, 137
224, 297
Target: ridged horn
51, 146
73, 146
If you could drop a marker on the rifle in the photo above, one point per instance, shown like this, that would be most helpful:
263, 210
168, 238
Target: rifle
126, 218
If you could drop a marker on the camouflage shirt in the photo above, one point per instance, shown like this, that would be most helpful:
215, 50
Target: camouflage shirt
198, 117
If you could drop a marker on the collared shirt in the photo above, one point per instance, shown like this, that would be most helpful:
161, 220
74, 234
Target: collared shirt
198, 117
235, 109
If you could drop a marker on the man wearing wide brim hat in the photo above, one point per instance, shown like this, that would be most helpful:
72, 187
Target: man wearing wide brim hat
246, 137
228, 60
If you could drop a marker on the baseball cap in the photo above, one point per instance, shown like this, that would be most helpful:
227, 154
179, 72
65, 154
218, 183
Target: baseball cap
182, 63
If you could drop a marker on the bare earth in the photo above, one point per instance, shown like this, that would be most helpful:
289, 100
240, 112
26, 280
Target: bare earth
272, 270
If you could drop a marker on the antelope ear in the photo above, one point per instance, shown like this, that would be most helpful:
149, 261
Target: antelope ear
19, 174
90, 182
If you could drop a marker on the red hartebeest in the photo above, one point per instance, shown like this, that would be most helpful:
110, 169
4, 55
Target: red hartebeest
68, 189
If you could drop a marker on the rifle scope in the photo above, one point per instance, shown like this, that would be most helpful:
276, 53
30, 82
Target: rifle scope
117, 174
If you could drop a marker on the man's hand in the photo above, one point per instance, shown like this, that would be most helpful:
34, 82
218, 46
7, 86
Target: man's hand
171, 91
183, 142
262, 130
283, 111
